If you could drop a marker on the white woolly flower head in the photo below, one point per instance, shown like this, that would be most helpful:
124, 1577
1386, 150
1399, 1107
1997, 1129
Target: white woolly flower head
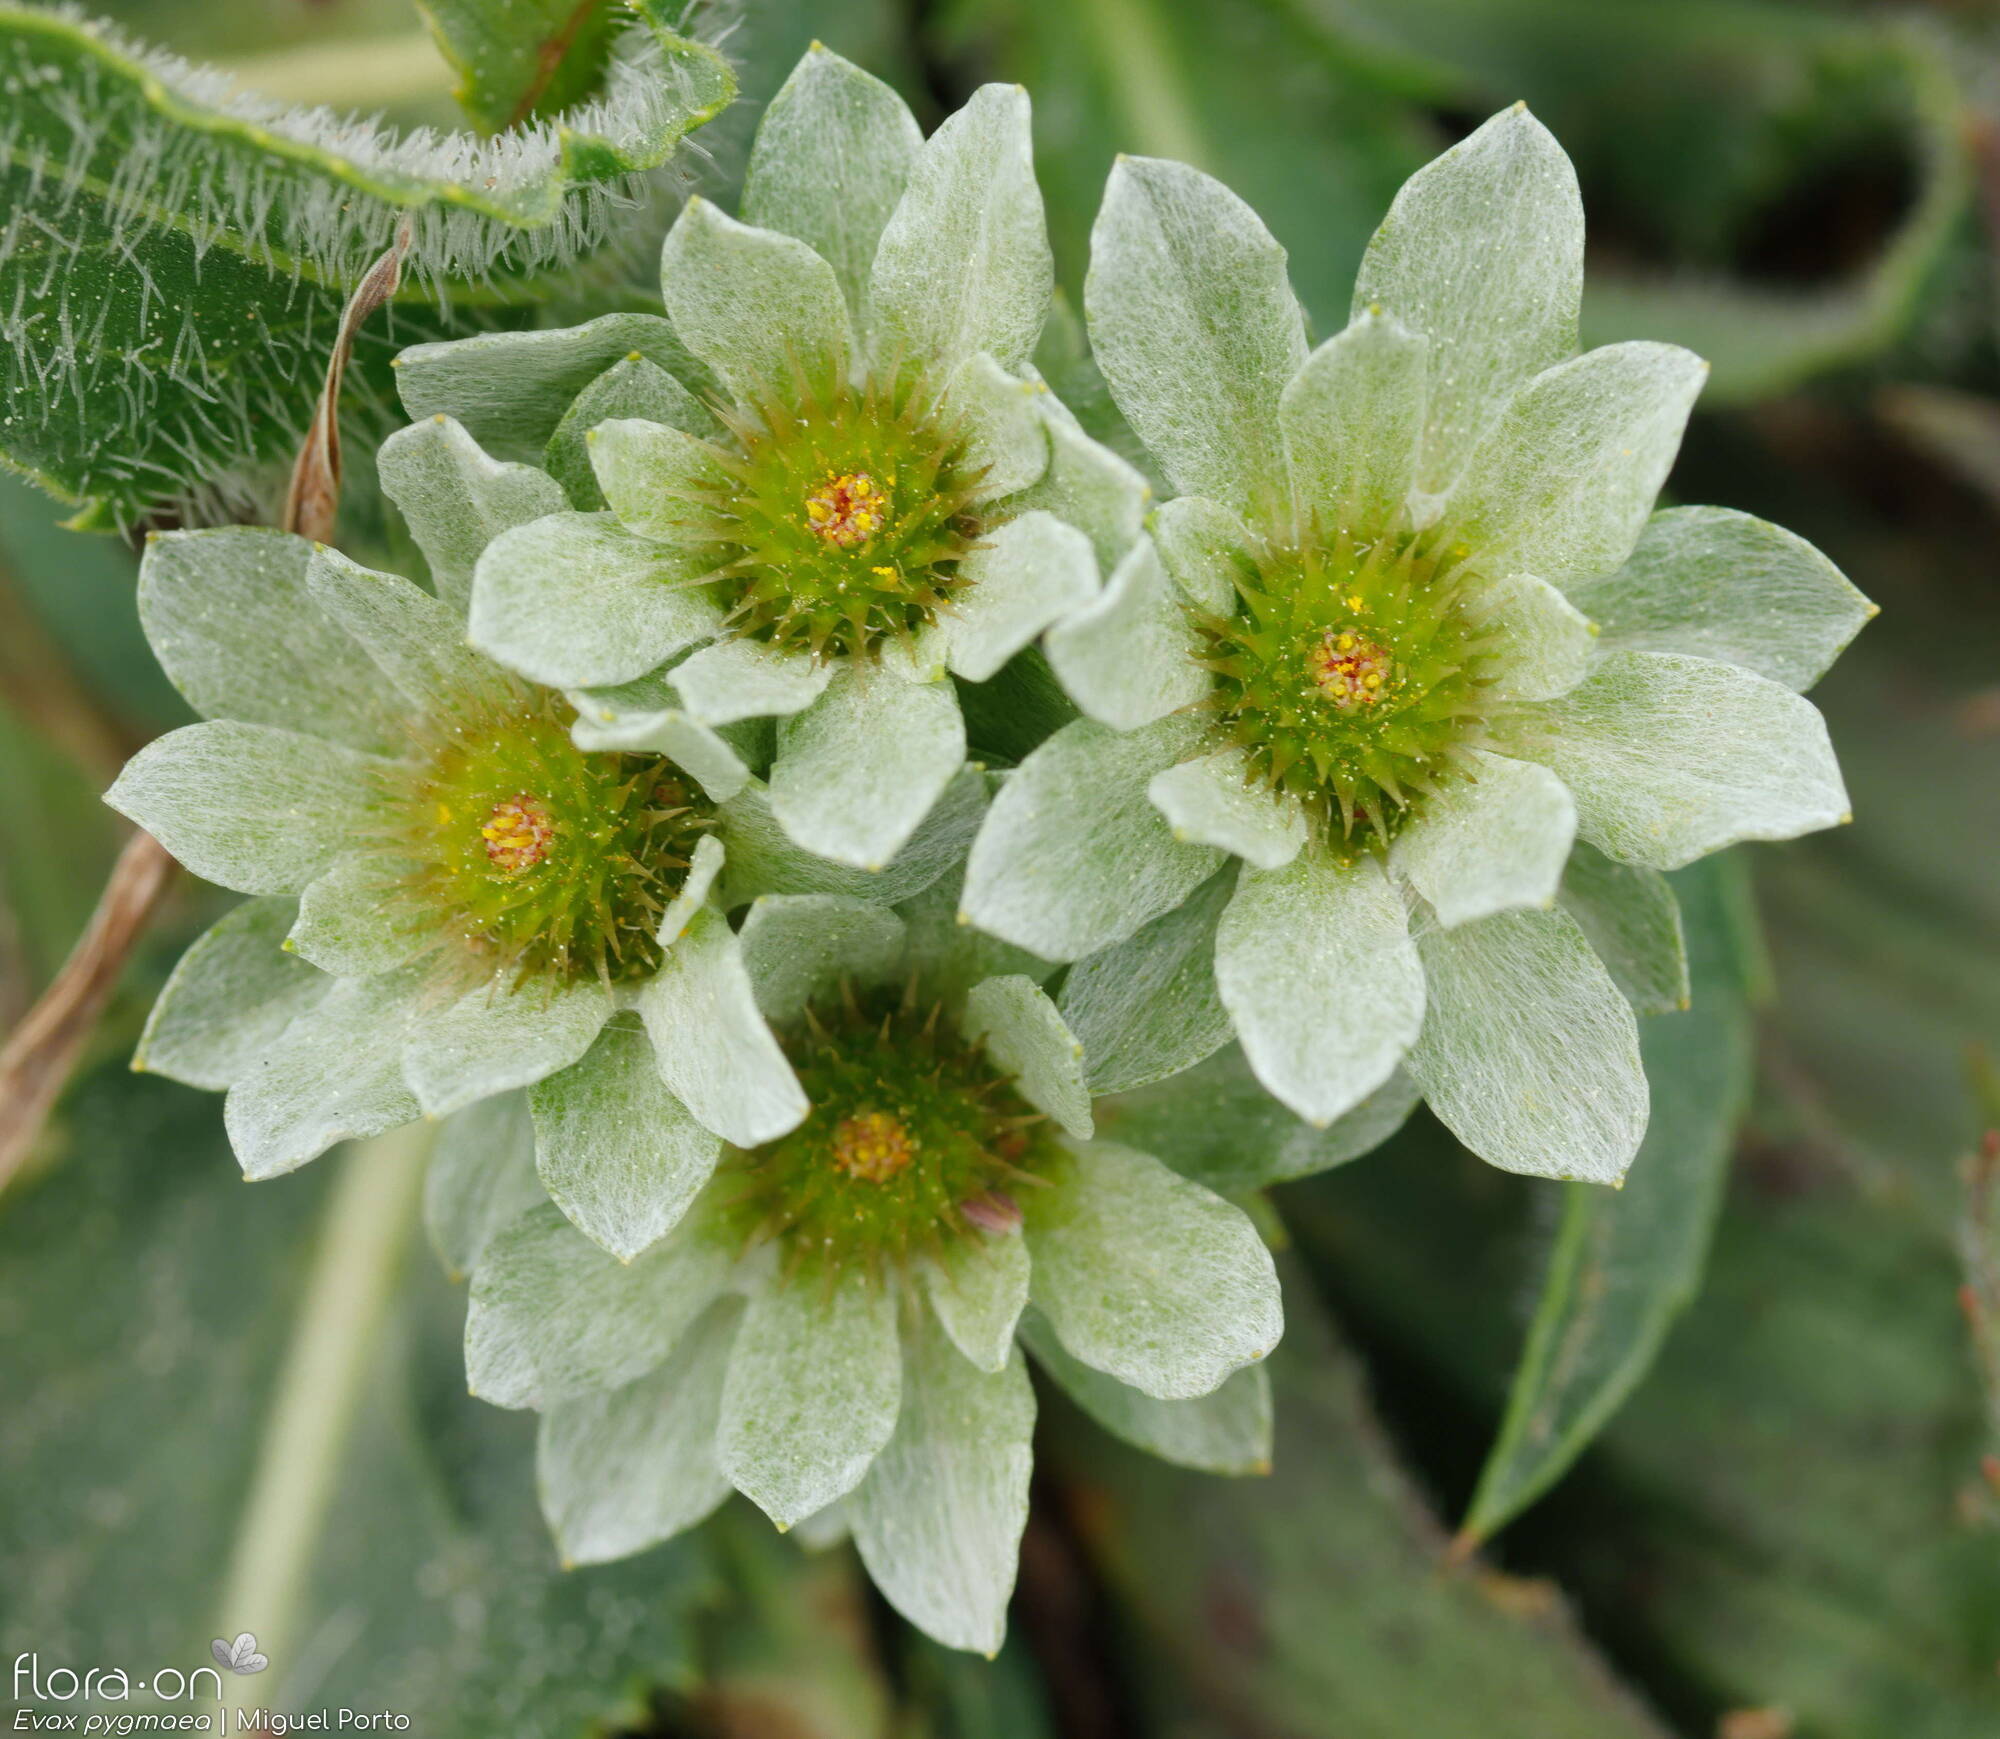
452, 890
831, 463
834, 1325
1413, 663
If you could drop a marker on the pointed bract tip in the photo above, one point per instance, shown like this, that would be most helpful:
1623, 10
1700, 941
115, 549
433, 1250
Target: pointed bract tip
964, 917
782, 1527
635, 356
1262, 1467
817, 47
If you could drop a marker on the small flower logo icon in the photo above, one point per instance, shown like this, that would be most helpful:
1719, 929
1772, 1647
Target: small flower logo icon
240, 1656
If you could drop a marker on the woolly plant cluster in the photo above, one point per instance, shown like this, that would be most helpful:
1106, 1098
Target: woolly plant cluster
802, 1055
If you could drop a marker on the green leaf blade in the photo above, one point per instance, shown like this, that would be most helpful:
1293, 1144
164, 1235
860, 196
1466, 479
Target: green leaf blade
516, 62
431, 1510
176, 254
1314, 1600
1625, 1264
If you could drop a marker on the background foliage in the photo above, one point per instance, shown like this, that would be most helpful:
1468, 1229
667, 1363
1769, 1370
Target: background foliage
1717, 1438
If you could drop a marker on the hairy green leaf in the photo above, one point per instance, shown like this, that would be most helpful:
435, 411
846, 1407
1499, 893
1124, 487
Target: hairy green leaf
174, 255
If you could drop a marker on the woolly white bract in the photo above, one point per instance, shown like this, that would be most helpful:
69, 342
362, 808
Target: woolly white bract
833, 444
453, 899
827, 1333
1413, 650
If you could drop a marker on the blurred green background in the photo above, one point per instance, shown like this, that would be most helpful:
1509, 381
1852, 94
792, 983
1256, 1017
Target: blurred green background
1783, 1533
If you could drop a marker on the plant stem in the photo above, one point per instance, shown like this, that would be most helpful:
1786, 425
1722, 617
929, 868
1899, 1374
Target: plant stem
1138, 63
42, 1050
318, 1392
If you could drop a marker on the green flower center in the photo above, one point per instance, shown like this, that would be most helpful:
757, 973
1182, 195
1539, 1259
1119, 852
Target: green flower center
519, 853
914, 1140
1353, 676
846, 520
